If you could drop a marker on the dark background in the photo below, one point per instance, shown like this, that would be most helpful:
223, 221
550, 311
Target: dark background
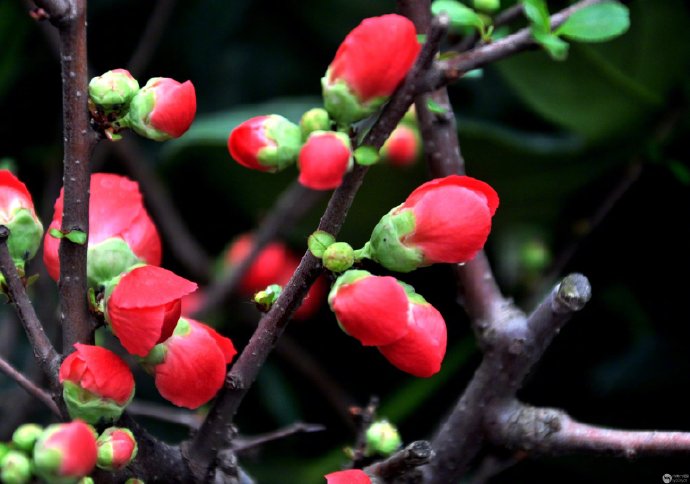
590, 158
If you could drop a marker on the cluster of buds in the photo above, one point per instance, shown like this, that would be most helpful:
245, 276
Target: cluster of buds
368, 66
161, 110
383, 312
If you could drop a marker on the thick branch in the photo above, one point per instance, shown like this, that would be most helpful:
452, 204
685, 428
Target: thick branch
79, 141
245, 443
550, 431
30, 387
399, 466
45, 353
58, 10
215, 430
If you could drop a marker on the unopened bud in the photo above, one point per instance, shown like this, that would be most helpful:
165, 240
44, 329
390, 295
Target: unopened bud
316, 119
487, 5
318, 242
15, 468
26, 435
113, 90
383, 438
338, 257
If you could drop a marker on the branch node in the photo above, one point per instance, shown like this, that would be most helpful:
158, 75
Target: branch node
572, 294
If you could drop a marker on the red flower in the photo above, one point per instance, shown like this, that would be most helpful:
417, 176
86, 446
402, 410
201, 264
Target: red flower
444, 220
421, 351
402, 146
324, 159
372, 309
265, 143
368, 66
18, 214
163, 109
275, 264
116, 211
116, 448
143, 307
99, 371
352, 476
65, 450
192, 368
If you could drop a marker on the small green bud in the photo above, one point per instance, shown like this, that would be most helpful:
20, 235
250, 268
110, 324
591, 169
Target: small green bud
535, 255
134, 480
487, 5
315, 119
382, 438
25, 437
318, 242
16, 468
366, 155
4, 449
113, 90
338, 257
86, 480
265, 298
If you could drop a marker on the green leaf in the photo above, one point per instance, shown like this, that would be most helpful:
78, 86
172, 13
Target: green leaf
556, 47
597, 23
421, 38
538, 14
56, 233
435, 107
460, 15
76, 236
366, 155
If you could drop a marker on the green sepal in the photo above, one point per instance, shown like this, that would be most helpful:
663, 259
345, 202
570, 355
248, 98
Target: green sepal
90, 407
487, 5
76, 236
140, 109
86, 480
287, 137
346, 278
318, 242
25, 237
366, 155
112, 91
343, 105
109, 259
316, 119
385, 244
15, 468
25, 436
265, 298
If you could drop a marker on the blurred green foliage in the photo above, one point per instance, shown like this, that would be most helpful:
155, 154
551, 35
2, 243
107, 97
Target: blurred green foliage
554, 139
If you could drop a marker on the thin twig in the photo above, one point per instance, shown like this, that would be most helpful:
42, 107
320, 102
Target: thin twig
165, 413
397, 467
504, 18
214, 432
48, 359
29, 386
364, 416
549, 431
245, 443
151, 36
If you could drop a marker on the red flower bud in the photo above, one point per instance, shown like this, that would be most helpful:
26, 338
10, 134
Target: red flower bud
163, 109
121, 232
372, 309
368, 66
143, 307
116, 448
352, 476
402, 147
444, 220
265, 143
421, 351
275, 264
324, 159
65, 450
103, 383
190, 366
18, 214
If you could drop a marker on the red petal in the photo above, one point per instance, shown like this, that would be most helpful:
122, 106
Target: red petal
149, 286
352, 476
224, 344
470, 183
77, 445
421, 351
247, 139
193, 370
13, 195
123, 446
175, 106
401, 147
268, 268
106, 374
323, 161
138, 329
51, 245
372, 309
375, 57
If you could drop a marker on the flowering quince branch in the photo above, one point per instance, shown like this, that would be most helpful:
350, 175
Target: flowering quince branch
213, 435
402, 466
29, 386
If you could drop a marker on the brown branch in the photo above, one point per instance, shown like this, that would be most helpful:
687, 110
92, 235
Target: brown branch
402, 466
364, 417
48, 359
30, 387
549, 431
165, 413
451, 69
79, 141
245, 443
57, 10
214, 432
151, 36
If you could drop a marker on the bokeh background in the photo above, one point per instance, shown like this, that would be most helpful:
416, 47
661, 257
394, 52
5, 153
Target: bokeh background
591, 159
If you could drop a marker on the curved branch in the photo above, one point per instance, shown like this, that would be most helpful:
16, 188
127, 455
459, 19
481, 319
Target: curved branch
30, 387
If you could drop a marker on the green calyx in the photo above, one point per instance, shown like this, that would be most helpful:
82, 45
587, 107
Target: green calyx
26, 232
113, 90
346, 278
338, 257
25, 436
109, 259
90, 407
15, 468
343, 105
386, 246
382, 438
287, 137
316, 119
318, 242
265, 298
139, 116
